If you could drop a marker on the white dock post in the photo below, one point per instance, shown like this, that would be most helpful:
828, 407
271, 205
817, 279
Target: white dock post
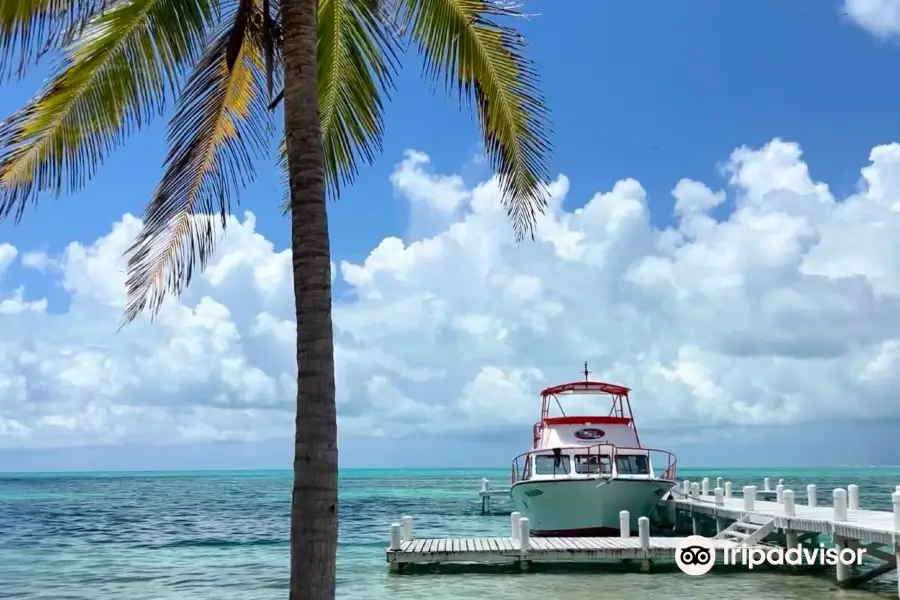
514, 518
396, 536
853, 496
704, 486
686, 488
811, 494
524, 534
779, 493
840, 505
695, 491
897, 489
791, 540
728, 487
781, 482
624, 524
767, 484
787, 498
720, 496
895, 498
407, 528
644, 537
749, 494
840, 544
485, 496
720, 482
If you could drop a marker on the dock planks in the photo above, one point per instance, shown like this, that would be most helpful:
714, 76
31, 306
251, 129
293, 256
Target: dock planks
541, 549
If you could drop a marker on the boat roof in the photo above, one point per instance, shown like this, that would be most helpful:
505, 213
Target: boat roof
586, 387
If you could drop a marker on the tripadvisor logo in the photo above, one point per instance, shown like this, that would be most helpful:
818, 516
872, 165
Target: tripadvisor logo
696, 555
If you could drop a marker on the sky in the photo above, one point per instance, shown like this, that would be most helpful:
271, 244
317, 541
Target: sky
721, 238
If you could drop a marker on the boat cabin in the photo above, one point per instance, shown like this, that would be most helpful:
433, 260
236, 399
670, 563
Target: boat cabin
587, 446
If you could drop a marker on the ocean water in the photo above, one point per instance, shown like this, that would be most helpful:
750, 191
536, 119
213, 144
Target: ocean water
224, 535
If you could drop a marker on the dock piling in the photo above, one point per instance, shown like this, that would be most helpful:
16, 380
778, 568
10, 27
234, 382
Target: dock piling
749, 497
720, 481
407, 528
524, 534
704, 486
396, 536
811, 495
767, 484
840, 505
686, 487
728, 490
779, 493
853, 496
485, 496
624, 524
720, 496
695, 490
644, 537
514, 519
788, 501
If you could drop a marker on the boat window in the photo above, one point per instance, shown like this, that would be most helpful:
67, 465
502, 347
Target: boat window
632, 465
593, 464
544, 464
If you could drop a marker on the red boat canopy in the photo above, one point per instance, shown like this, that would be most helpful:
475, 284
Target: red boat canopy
587, 386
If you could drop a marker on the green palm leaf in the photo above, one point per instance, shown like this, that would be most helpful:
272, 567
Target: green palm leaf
116, 76
31, 28
356, 65
484, 62
219, 124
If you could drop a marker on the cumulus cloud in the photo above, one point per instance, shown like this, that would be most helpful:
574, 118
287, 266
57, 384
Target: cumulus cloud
786, 309
879, 17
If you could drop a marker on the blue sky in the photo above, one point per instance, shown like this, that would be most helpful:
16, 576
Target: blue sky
655, 95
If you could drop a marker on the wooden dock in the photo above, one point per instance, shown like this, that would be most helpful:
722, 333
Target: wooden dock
524, 550
730, 518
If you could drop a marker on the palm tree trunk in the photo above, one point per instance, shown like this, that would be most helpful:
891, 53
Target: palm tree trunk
314, 497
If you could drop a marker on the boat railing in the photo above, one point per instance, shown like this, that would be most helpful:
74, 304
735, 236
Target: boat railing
520, 473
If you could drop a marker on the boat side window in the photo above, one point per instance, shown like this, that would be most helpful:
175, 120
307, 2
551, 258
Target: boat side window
632, 465
544, 464
593, 464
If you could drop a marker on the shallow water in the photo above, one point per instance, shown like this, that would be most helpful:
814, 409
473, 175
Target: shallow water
224, 535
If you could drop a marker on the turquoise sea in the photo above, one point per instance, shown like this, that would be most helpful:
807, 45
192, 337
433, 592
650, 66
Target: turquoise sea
224, 535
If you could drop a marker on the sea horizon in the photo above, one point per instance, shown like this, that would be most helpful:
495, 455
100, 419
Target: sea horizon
426, 470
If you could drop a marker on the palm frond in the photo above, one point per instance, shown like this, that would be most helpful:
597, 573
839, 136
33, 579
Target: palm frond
29, 29
117, 74
356, 64
220, 124
482, 60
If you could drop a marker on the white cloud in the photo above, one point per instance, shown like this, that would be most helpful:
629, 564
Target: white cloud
786, 310
879, 17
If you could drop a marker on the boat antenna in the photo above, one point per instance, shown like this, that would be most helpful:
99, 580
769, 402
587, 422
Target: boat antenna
586, 372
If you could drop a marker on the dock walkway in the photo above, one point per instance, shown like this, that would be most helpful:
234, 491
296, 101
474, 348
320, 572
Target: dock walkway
523, 549
744, 518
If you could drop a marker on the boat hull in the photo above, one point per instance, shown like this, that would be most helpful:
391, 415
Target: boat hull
586, 507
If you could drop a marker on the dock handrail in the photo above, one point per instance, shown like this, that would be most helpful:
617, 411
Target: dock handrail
668, 474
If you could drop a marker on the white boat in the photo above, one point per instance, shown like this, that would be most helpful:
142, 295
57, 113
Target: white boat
583, 470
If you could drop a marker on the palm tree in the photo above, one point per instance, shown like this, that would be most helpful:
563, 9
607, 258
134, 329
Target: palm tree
221, 60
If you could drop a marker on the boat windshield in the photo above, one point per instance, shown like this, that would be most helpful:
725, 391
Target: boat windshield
592, 464
632, 464
546, 465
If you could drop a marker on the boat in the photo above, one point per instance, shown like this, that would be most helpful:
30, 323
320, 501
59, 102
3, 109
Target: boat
581, 471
